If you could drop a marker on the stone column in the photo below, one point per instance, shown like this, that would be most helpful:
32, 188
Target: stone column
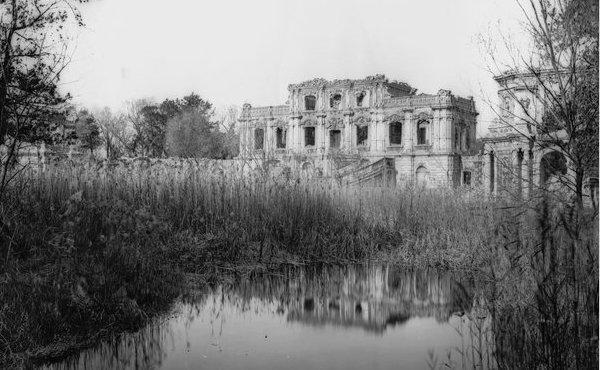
408, 129
436, 130
485, 171
380, 132
321, 133
448, 123
267, 137
299, 133
348, 133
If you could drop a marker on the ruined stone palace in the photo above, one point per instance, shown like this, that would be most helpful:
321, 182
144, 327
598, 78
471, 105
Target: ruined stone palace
371, 129
377, 131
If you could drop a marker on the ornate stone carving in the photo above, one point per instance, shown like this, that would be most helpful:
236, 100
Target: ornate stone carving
361, 119
423, 116
308, 121
278, 122
377, 77
315, 82
335, 121
394, 118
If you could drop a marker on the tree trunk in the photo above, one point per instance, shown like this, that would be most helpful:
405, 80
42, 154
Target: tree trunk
579, 186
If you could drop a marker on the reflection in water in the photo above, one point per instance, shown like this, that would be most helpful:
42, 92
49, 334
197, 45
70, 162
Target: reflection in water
314, 317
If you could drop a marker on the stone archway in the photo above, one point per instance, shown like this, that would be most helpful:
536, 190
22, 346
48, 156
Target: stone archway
552, 164
421, 176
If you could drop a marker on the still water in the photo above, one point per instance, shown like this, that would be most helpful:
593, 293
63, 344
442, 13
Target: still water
352, 317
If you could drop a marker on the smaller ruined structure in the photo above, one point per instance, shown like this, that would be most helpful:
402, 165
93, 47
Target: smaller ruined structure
512, 163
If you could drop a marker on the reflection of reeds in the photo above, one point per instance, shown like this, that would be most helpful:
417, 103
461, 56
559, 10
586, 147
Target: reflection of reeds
143, 349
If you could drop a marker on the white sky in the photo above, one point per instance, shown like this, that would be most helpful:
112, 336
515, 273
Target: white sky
234, 51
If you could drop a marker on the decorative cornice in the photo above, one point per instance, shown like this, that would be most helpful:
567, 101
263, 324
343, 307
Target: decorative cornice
308, 121
423, 117
394, 118
361, 120
334, 122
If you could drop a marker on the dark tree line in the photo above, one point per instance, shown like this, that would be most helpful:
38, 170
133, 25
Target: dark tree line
184, 127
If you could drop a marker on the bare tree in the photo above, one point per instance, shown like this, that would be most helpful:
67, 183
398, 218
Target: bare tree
135, 118
33, 53
561, 74
115, 133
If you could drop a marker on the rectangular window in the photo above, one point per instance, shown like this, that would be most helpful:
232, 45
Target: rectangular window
456, 138
281, 137
362, 135
259, 138
422, 135
335, 139
467, 178
309, 136
310, 102
396, 133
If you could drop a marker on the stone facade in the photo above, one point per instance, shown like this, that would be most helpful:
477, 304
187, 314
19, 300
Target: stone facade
425, 138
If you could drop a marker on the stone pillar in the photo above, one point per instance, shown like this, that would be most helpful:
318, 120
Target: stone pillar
321, 133
408, 129
267, 137
447, 124
485, 171
299, 133
380, 132
436, 133
348, 133
372, 139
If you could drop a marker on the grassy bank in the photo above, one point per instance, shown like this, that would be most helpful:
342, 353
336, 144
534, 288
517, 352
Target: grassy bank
97, 250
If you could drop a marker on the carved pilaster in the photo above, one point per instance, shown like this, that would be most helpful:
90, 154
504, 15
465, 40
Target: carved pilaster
409, 127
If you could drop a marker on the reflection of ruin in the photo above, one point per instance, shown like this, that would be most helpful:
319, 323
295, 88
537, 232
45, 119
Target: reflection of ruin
371, 298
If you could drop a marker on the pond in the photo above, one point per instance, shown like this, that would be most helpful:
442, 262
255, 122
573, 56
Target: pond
353, 317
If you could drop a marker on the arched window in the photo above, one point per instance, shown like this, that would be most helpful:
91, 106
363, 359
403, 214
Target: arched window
335, 101
421, 176
310, 102
456, 137
259, 138
422, 133
396, 133
466, 178
360, 97
280, 134
552, 164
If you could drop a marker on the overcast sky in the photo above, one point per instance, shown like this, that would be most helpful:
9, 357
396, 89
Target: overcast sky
232, 52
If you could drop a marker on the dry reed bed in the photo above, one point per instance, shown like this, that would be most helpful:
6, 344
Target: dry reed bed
326, 221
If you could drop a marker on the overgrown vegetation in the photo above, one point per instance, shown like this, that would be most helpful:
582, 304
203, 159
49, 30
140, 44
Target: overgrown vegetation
100, 249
